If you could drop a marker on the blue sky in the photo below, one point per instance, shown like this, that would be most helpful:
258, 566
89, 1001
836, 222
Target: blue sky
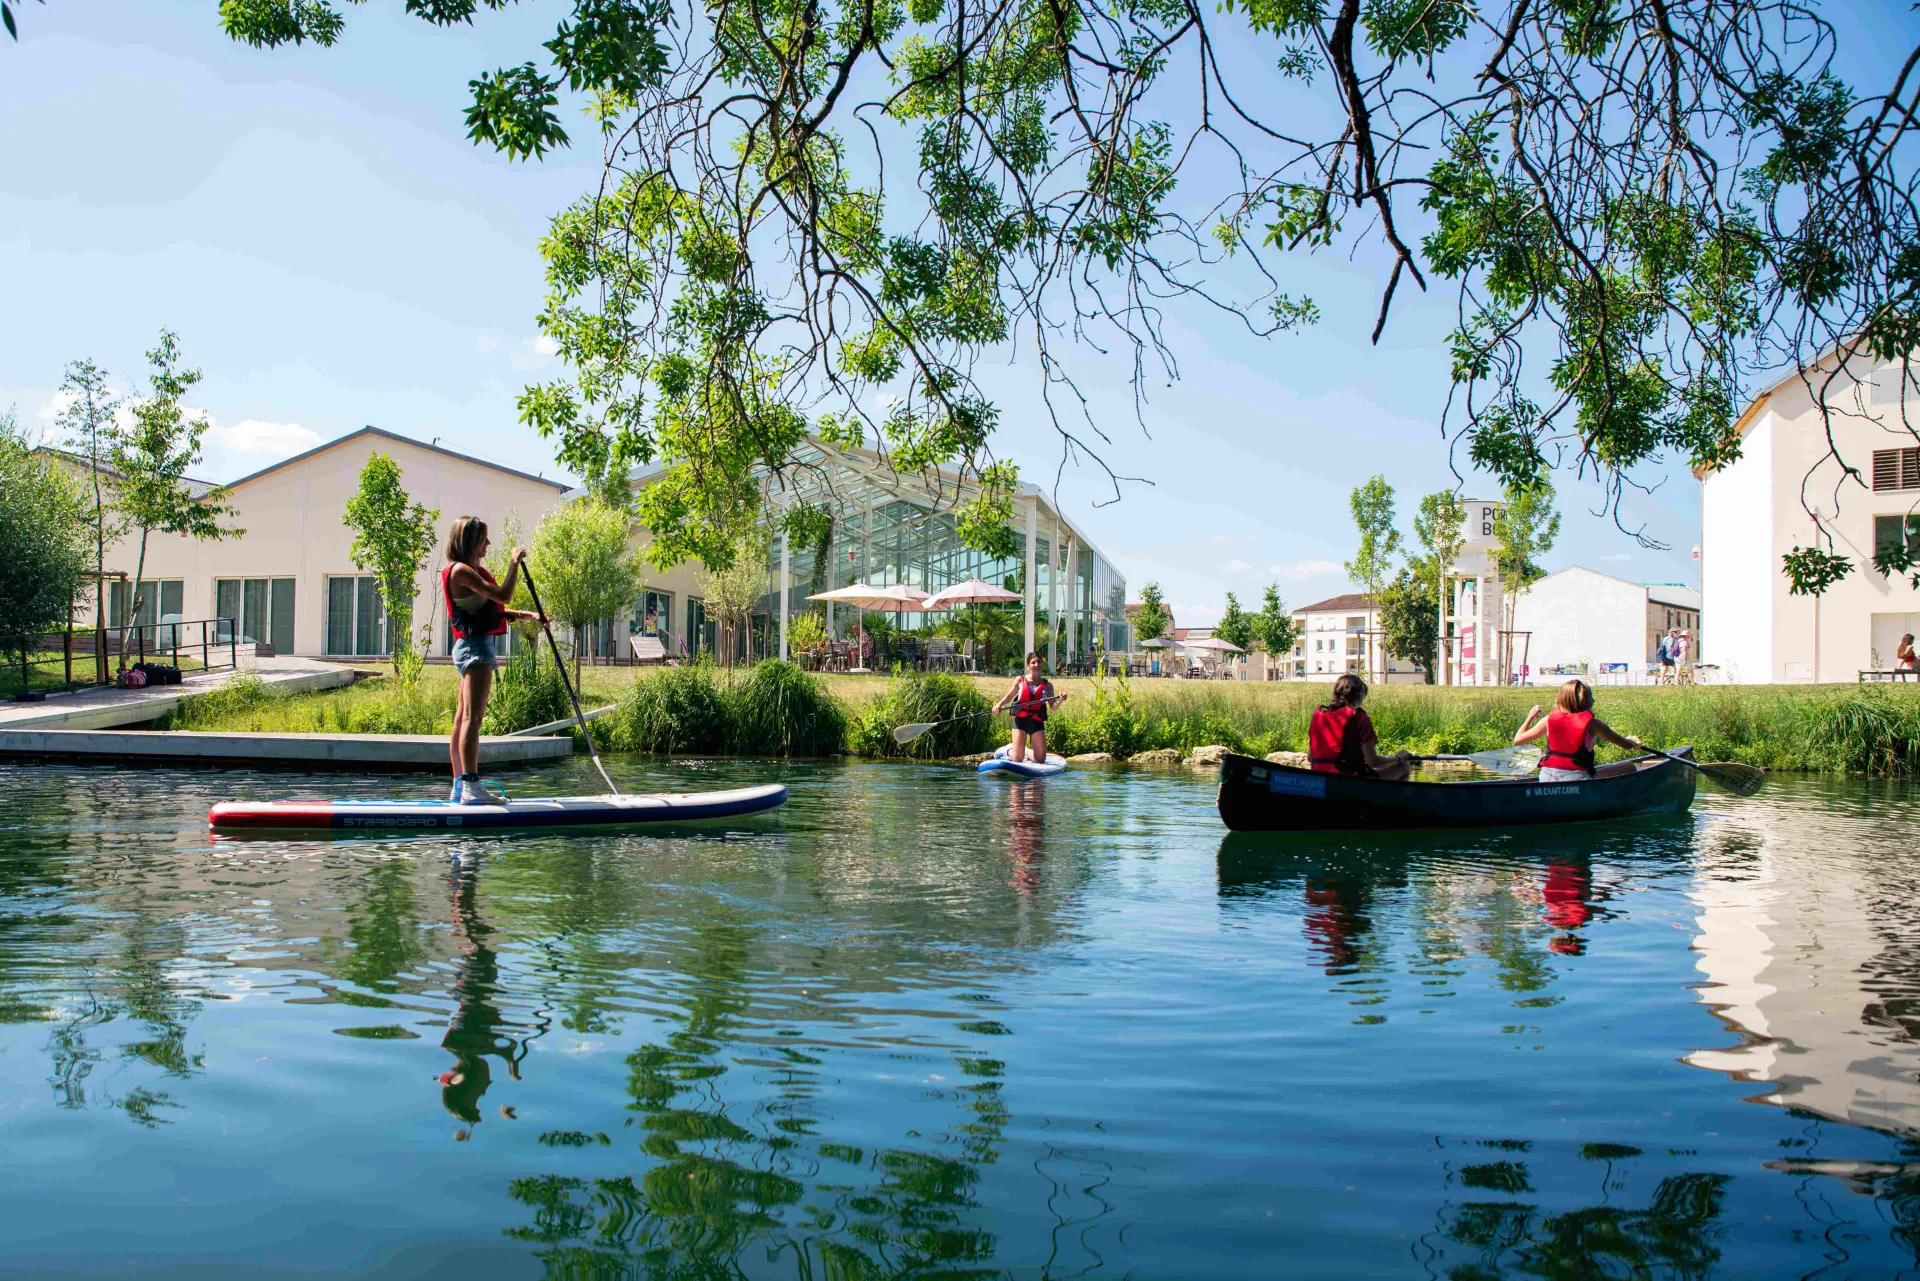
333, 252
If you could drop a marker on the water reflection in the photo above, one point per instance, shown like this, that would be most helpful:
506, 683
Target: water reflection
929, 1026
1808, 940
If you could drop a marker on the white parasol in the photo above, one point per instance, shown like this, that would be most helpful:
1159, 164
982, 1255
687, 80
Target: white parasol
897, 597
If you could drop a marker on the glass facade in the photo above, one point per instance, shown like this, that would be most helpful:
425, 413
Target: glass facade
891, 528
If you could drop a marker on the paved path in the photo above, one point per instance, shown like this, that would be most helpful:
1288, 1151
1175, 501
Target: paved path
101, 708
314, 751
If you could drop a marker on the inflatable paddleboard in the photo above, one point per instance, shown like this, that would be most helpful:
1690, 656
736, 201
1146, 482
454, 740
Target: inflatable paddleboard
1022, 769
438, 816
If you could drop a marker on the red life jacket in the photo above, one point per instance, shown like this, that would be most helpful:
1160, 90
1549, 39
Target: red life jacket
1029, 703
1333, 747
488, 620
1567, 746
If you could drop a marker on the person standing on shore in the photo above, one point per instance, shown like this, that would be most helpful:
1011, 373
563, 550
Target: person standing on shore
477, 609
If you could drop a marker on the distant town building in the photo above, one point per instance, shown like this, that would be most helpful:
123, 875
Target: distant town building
1581, 622
1755, 510
1333, 640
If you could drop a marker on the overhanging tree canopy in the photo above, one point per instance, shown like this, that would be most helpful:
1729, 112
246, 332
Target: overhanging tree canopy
806, 204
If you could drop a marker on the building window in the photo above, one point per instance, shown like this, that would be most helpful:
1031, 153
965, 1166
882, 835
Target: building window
161, 600
1887, 533
356, 615
699, 630
1896, 469
261, 608
654, 617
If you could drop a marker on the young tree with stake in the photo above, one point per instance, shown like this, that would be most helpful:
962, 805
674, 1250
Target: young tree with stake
86, 425
1275, 628
150, 458
1372, 507
1525, 529
43, 551
391, 541
588, 571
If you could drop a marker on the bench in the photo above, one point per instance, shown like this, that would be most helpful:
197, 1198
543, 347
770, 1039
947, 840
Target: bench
648, 649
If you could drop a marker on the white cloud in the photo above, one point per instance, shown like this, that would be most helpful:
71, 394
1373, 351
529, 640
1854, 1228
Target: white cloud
487, 342
252, 436
1196, 615
1238, 566
535, 352
1617, 558
1305, 569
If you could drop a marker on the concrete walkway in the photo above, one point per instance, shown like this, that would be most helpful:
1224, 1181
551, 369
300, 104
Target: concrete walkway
100, 708
311, 751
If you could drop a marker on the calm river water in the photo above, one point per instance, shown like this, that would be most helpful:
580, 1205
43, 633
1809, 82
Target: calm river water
922, 1023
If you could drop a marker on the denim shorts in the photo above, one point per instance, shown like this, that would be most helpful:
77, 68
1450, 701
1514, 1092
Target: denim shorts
468, 650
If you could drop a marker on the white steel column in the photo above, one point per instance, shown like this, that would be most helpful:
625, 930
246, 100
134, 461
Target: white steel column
1053, 598
786, 548
1073, 597
1033, 540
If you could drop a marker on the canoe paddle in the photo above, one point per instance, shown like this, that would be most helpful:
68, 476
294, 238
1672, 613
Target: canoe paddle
559, 662
907, 733
1741, 780
1506, 760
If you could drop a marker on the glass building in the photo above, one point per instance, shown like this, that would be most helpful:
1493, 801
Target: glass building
891, 527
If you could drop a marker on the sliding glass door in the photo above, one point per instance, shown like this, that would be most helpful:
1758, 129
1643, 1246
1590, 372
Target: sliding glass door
356, 616
260, 608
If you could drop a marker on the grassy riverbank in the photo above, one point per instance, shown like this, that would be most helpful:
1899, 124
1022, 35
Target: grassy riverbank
775, 709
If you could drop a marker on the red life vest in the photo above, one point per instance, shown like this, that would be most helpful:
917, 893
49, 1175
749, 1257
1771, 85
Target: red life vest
1333, 740
488, 620
1567, 746
1029, 701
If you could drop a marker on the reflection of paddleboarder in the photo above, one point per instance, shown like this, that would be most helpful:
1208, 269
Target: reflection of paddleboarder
1025, 836
474, 1031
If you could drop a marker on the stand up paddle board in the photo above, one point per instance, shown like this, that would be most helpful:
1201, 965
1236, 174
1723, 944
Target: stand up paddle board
1022, 769
434, 816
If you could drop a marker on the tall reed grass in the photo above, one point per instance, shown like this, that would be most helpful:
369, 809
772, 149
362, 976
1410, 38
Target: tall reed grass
1820, 728
915, 697
770, 709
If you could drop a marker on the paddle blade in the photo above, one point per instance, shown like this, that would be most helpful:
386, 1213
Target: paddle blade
907, 733
1508, 760
1741, 780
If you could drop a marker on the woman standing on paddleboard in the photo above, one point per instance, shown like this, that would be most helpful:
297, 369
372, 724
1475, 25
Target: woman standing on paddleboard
1030, 698
477, 608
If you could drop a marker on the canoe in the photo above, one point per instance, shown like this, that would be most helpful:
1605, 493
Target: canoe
1257, 796
541, 812
999, 764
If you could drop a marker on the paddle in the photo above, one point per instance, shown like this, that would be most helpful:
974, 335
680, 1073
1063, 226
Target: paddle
907, 733
1741, 780
564, 678
1506, 760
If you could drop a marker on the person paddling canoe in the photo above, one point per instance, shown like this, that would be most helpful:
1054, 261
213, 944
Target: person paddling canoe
1340, 738
477, 608
1030, 698
1571, 730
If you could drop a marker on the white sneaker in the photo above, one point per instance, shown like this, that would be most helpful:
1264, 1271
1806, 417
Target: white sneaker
454, 795
473, 793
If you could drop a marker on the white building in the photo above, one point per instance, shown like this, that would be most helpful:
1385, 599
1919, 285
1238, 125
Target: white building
1581, 622
1752, 514
1333, 639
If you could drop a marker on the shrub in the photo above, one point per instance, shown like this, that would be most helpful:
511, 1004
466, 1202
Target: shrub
526, 692
913, 697
242, 693
675, 709
776, 709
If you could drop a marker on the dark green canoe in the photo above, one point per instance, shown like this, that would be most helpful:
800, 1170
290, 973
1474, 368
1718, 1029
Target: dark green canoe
1258, 796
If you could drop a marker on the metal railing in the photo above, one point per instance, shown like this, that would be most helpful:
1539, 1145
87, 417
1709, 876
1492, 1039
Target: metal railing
91, 655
